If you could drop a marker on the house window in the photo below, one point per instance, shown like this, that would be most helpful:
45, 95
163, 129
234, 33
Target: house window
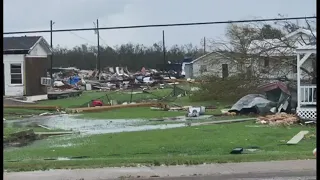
225, 71
203, 68
16, 75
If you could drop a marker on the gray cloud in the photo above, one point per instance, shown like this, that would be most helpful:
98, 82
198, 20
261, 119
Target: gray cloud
35, 14
69, 13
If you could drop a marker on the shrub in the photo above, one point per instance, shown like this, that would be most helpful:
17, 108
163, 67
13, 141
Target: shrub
228, 89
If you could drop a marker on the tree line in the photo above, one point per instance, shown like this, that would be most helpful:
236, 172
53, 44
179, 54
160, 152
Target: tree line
132, 56
136, 56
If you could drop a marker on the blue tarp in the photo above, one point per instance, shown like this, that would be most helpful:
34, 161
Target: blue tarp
74, 80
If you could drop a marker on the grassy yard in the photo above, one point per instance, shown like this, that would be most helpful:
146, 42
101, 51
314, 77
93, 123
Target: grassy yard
189, 145
120, 96
131, 113
14, 113
124, 96
141, 113
10, 130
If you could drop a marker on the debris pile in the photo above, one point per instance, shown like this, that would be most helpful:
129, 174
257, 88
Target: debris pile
278, 119
110, 78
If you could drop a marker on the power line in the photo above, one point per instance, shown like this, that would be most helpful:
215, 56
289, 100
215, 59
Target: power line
82, 37
104, 42
163, 25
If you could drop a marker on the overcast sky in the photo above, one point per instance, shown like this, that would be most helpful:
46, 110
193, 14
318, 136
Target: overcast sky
22, 15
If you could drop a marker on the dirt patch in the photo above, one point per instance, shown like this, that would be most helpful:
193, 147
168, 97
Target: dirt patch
19, 139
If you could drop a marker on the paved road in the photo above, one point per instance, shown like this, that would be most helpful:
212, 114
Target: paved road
303, 175
277, 170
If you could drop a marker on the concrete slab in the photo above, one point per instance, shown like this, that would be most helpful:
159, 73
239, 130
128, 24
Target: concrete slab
37, 98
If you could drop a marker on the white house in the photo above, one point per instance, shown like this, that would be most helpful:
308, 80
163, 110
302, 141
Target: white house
266, 62
25, 61
213, 63
277, 57
306, 99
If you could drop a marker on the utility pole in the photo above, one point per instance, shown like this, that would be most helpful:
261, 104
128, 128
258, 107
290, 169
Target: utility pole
164, 50
204, 45
51, 45
98, 53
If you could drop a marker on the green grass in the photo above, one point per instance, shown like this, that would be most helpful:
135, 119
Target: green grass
9, 131
131, 113
189, 145
121, 96
219, 118
144, 113
126, 113
14, 113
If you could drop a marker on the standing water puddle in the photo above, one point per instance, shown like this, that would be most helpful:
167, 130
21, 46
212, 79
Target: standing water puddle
84, 126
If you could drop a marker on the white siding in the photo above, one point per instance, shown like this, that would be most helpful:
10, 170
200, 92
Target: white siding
213, 64
13, 89
38, 50
275, 70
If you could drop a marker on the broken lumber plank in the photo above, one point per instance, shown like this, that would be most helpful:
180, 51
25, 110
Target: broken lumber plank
54, 133
32, 107
224, 121
297, 138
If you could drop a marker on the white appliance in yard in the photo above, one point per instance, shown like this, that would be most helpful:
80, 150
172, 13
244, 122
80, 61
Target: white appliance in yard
196, 111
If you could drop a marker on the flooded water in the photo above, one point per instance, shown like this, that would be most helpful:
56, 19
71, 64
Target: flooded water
90, 126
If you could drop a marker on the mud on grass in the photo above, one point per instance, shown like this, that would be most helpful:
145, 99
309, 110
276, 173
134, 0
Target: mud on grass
17, 136
188, 145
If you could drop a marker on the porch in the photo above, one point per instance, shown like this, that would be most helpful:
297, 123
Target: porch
306, 93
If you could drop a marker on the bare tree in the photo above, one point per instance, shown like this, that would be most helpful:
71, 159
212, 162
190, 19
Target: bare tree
265, 50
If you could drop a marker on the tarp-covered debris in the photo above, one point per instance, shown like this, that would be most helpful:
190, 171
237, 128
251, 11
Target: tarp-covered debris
255, 103
276, 97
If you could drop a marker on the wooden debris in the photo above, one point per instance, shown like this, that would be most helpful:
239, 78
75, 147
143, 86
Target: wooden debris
298, 137
106, 108
231, 113
278, 119
54, 133
40, 107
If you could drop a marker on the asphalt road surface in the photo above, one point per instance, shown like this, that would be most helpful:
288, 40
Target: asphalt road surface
303, 175
272, 170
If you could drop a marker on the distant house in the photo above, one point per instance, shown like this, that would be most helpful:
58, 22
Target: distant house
25, 61
224, 63
213, 63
